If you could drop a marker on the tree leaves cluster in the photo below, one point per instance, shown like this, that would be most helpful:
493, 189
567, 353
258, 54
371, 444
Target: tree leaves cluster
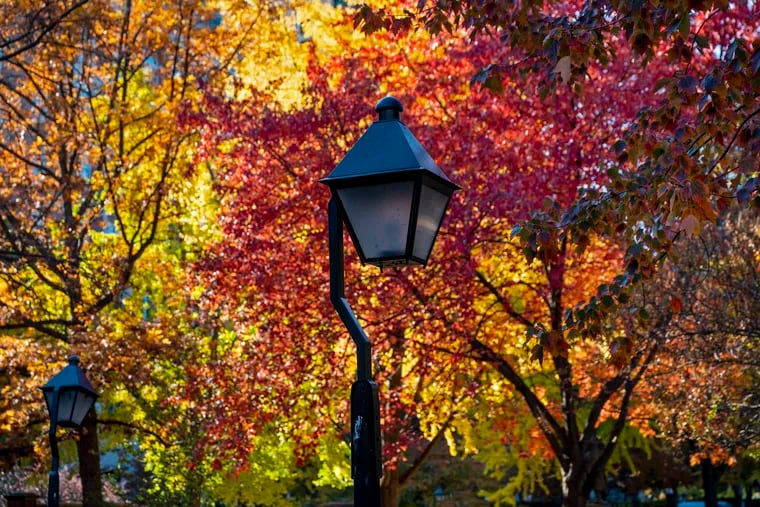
479, 304
617, 129
95, 203
711, 363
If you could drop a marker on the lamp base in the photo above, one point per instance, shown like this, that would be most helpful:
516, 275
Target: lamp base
366, 454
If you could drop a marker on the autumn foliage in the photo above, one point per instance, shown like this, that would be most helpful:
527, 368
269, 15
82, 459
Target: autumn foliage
161, 212
433, 330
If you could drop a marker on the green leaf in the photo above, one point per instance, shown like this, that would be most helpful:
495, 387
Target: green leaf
662, 83
530, 254
494, 83
701, 41
634, 250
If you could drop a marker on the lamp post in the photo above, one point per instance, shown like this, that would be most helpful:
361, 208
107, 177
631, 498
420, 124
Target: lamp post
392, 197
69, 396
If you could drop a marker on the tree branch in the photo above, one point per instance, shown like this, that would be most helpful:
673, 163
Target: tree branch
133, 426
553, 432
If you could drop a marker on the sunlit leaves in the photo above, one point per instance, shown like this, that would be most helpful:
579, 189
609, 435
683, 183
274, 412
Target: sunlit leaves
710, 350
100, 207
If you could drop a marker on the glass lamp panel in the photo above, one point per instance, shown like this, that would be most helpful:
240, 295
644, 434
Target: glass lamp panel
83, 405
432, 208
49, 396
66, 402
379, 216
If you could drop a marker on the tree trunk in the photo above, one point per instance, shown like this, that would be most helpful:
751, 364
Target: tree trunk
574, 491
193, 491
708, 483
671, 497
88, 449
390, 488
737, 499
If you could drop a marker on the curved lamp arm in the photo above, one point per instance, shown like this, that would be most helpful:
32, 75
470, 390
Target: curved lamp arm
338, 296
366, 449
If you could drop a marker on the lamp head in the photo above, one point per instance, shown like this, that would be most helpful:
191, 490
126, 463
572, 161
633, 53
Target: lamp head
69, 395
391, 194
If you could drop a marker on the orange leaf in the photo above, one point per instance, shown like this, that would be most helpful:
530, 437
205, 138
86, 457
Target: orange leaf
676, 305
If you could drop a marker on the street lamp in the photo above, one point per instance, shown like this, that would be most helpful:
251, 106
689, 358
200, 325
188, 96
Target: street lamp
392, 197
69, 396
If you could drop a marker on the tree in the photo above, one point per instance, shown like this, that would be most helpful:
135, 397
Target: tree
709, 369
679, 163
682, 159
92, 161
193, 449
28, 23
473, 303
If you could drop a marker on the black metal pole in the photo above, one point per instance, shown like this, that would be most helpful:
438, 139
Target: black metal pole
366, 456
54, 494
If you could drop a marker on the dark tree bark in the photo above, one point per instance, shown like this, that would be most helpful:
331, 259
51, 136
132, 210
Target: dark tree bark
390, 489
737, 499
671, 497
88, 450
708, 483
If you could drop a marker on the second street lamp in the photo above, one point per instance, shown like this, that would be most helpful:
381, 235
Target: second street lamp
392, 197
68, 396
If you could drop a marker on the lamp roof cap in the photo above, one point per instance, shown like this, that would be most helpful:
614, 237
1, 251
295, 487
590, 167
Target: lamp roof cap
70, 377
386, 148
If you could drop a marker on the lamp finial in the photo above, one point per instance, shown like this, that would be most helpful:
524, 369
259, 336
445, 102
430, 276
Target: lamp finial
389, 108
